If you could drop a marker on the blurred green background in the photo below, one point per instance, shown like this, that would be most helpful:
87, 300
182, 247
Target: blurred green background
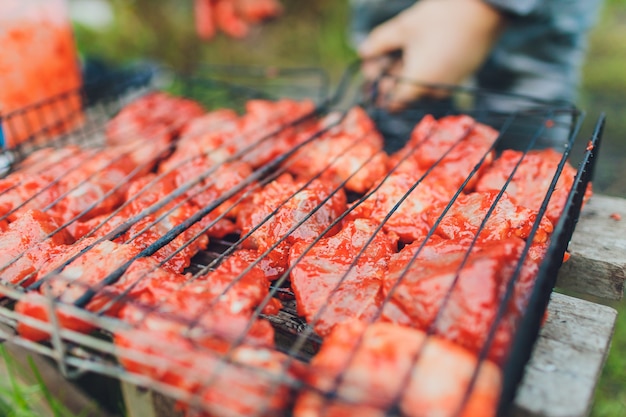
315, 33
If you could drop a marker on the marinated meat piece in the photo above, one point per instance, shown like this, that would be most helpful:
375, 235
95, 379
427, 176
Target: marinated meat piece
214, 182
266, 130
253, 379
372, 368
219, 304
328, 291
210, 136
86, 271
20, 193
467, 213
28, 244
472, 303
297, 207
98, 187
142, 194
532, 179
351, 151
176, 255
454, 145
409, 221
152, 117
54, 162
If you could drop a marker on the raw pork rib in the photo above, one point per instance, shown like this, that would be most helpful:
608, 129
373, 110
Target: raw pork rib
371, 368
318, 278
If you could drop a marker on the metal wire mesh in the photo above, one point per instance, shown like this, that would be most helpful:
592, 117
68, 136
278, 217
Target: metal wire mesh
195, 365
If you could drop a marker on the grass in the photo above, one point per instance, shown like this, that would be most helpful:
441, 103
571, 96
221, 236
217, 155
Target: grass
18, 399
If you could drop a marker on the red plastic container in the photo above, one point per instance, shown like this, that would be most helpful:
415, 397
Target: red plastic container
38, 61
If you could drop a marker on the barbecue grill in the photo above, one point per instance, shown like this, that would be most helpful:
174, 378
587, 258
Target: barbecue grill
223, 87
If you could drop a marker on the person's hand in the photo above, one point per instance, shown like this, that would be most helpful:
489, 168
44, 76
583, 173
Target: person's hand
441, 41
233, 17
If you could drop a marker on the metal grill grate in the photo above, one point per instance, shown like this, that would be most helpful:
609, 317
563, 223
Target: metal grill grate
232, 364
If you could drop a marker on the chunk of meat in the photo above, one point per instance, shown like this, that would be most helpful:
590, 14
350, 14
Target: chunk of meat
20, 192
294, 212
507, 219
472, 303
54, 162
350, 151
251, 381
409, 221
29, 243
219, 304
210, 136
142, 195
98, 187
267, 129
176, 255
531, 181
375, 367
85, 272
453, 145
213, 183
154, 116
327, 290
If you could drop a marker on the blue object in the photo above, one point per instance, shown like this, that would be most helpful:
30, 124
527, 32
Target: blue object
2, 142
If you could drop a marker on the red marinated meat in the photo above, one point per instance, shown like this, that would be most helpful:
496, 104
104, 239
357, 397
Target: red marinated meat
20, 192
210, 136
28, 244
253, 379
294, 204
370, 368
409, 221
532, 179
472, 305
266, 130
257, 137
142, 194
98, 187
454, 145
152, 117
218, 180
325, 295
53, 162
350, 151
85, 272
508, 219
219, 304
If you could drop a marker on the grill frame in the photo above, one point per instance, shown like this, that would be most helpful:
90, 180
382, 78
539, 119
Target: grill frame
71, 364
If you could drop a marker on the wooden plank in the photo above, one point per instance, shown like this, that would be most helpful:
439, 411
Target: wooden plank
567, 360
598, 250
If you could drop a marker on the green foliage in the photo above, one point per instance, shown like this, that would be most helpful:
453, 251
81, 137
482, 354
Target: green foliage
20, 400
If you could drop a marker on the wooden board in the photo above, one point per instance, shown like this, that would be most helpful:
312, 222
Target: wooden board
598, 250
567, 360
